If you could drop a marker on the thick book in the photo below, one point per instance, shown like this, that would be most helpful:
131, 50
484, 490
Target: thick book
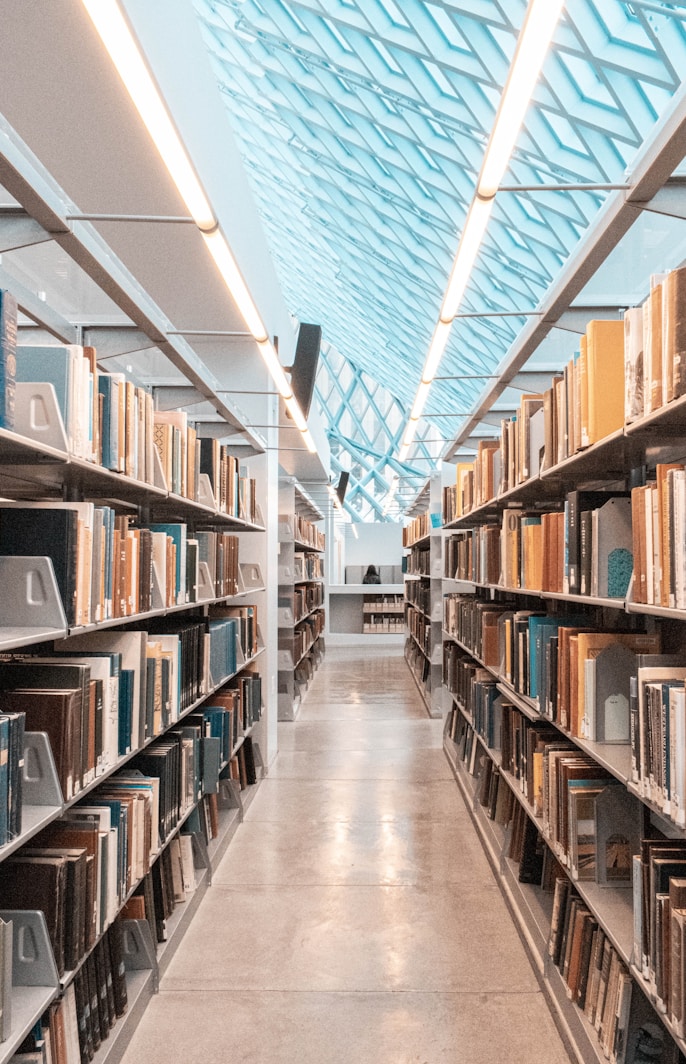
51, 533
37, 883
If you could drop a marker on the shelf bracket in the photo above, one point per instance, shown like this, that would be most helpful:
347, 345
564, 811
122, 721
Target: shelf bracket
139, 950
173, 397
669, 200
576, 319
18, 230
113, 340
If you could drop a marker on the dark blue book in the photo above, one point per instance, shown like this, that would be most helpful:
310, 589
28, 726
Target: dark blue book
126, 686
50, 533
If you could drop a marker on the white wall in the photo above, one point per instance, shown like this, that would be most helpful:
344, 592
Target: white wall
378, 543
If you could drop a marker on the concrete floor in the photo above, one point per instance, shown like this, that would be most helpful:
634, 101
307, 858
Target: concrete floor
354, 918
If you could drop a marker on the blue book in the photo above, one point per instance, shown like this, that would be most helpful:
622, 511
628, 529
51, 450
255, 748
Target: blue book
109, 429
126, 686
8, 358
178, 533
53, 365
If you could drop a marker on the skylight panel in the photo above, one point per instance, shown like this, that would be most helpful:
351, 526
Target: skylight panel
385, 55
338, 36
394, 13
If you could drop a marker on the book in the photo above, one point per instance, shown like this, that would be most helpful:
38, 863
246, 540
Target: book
43, 532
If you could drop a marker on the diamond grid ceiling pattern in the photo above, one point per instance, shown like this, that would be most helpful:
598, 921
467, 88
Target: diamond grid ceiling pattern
363, 123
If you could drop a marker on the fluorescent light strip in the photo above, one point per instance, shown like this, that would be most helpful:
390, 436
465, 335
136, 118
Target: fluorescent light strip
534, 40
128, 60
226, 264
467, 250
126, 56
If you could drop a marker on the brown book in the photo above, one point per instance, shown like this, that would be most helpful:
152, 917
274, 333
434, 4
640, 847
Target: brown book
134, 908
75, 898
58, 713
82, 835
638, 509
37, 883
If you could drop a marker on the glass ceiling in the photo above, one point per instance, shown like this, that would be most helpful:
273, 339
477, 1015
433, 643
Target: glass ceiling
362, 124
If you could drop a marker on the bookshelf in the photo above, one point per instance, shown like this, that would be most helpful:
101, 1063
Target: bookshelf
364, 614
423, 539
227, 598
302, 594
521, 516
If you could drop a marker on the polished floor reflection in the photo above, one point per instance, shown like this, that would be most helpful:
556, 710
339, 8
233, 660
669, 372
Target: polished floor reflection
354, 919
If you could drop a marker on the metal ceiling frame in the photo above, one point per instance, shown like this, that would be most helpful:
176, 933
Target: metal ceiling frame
47, 206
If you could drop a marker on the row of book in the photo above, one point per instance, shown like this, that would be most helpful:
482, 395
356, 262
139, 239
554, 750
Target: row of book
418, 594
659, 952
589, 820
110, 421
308, 566
418, 528
74, 1027
624, 370
382, 624
591, 547
601, 985
658, 524
419, 664
307, 633
80, 869
306, 532
376, 603
585, 549
306, 598
102, 695
419, 628
577, 674
107, 567
595, 977
418, 561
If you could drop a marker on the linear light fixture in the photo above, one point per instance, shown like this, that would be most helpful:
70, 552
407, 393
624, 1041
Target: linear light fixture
532, 45
534, 39
116, 36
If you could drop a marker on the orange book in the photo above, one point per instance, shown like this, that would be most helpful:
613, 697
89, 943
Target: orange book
638, 518
605, 373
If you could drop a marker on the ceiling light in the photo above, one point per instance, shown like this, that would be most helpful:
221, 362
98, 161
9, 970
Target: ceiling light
420, 400
436, 349
468, 249
226, 264
126, 56
534, 40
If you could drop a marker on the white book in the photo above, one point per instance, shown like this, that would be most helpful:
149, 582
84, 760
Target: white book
187, 863
677, 735
71, 1026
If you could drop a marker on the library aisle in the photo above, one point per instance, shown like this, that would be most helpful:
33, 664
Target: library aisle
354, 918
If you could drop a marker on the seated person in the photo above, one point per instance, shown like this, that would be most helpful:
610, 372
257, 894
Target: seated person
371, 576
